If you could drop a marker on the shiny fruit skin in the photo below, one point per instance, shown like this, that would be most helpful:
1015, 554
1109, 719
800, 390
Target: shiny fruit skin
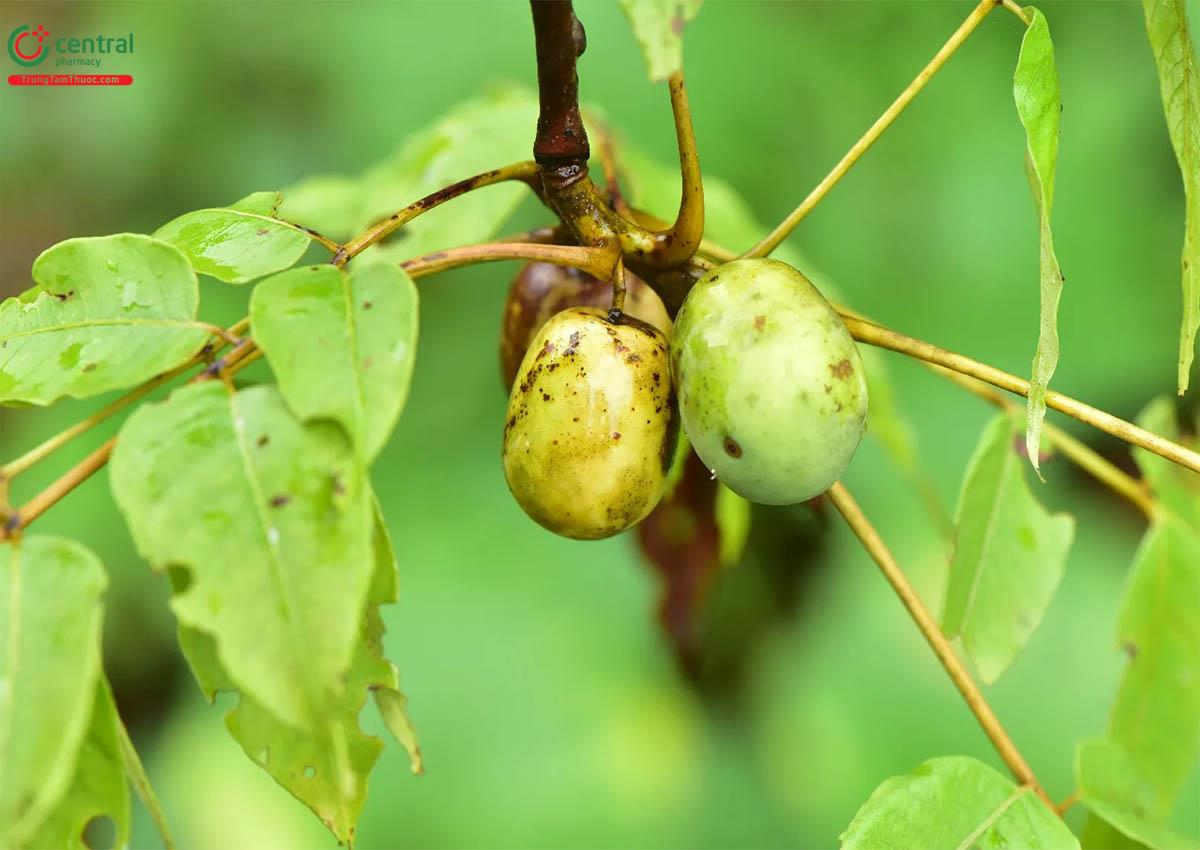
542, 289
771, 385
591, 428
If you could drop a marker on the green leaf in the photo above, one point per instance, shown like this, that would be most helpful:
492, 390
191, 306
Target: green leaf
1156, 717
331, 205
98, 786
108, 312
732, 515
341, 344
208, 473
1009, 555
477, 135
658, 27
1039, 105
326, 768
50, 596
955, 802
237, 245
259, 203
1179, 83
1177, 489
1109, 785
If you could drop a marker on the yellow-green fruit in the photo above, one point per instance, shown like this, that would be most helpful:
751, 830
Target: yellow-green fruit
771, 386
592, 424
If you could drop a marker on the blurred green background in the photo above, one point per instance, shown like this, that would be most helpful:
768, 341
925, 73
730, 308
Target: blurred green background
550, 710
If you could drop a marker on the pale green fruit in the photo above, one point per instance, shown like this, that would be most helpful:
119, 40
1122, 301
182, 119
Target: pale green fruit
771, 386
591, 427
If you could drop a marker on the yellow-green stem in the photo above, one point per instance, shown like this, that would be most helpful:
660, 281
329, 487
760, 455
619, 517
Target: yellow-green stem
878, 335
18, 465
771, 241
937, 641
526, 172
1076, 451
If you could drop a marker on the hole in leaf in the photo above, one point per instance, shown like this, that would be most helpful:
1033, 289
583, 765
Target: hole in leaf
181, 578
100, 833
264, 755
310, 772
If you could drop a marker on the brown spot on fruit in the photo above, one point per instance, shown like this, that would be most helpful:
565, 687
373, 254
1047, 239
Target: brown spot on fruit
759, 322
841, 370
732, 448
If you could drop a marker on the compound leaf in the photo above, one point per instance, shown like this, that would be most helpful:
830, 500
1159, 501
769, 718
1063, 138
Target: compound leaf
98, 786
1009, 555
658, 27
237, 244
1179, 83
107, 312
1156, 717
955, 802
208, 473
327, 767
341, 344
50, 596
1109, 785
1039, 104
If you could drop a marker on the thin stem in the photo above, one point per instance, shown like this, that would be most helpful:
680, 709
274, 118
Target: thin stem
1078, 452
608, 167
595, 261
235, 361
50, 496
1017, 10
678, 243
771, 241
937, 641
18, 465
526, 172
1068, 801
141, 784
878, 335
48, 447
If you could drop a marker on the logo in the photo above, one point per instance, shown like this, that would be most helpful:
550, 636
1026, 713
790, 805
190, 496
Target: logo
27, 46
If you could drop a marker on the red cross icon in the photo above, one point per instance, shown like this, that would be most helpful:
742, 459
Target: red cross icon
41, 32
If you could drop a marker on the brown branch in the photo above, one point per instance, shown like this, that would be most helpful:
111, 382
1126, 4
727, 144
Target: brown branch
937, 641
561, 142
